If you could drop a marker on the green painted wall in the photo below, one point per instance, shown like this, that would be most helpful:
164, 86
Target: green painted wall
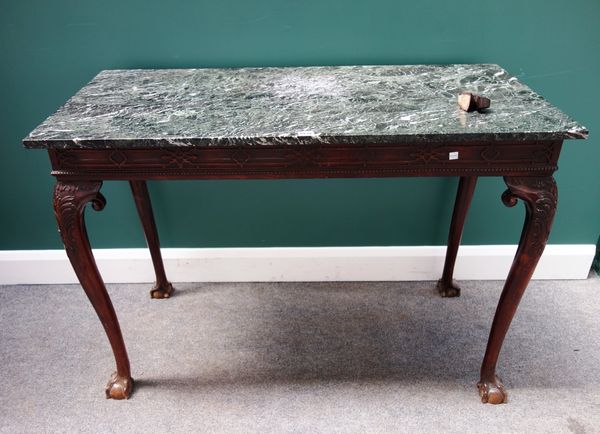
49, 49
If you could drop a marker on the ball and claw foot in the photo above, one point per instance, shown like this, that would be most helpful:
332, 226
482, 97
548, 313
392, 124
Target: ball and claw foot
119, 387
492, 392
161, 291
448, 289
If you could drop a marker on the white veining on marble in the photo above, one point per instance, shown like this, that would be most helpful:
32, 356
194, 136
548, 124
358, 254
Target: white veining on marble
263, 106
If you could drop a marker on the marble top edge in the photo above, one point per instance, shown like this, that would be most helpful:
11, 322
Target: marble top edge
121, 143
299, 105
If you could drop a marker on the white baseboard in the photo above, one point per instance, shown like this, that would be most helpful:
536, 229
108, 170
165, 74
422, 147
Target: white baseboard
294, 264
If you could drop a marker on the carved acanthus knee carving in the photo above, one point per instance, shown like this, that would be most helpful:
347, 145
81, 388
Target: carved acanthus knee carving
70, 200
540, 196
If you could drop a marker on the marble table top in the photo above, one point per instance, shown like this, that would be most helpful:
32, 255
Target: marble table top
299, 105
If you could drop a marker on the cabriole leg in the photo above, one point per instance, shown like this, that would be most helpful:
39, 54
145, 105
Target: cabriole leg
162, 288
446, 286
539, 194
70, 200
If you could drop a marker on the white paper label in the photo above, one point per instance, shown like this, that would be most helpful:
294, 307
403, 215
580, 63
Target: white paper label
453, 156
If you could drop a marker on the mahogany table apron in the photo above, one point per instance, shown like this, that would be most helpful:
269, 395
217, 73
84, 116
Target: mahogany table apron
468, 146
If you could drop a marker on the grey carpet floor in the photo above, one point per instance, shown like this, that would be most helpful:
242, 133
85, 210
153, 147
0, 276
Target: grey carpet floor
301, 357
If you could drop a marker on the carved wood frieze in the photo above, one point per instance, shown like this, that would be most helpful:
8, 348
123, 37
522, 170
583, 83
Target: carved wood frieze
313, 160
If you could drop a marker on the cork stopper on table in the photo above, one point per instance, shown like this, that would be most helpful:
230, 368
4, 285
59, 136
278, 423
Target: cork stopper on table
469, 102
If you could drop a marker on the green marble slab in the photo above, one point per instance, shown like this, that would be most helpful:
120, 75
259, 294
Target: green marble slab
301, 105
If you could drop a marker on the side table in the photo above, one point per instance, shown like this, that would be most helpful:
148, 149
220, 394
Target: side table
308, 122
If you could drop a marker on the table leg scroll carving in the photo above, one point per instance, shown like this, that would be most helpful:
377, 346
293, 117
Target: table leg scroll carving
447, 286
163, 288
70, 200
539, 195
